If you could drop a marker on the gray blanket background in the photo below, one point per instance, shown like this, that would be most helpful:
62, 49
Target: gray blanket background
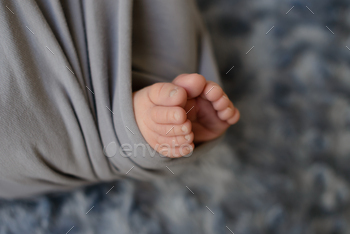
283, 169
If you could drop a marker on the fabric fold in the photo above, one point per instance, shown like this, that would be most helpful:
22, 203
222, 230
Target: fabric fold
68, 70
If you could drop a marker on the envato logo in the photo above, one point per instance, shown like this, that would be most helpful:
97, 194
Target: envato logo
143, 150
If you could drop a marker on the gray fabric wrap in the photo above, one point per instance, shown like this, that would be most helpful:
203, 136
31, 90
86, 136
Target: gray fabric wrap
54, 130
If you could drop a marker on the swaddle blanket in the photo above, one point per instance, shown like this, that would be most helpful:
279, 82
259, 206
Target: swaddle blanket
67, 73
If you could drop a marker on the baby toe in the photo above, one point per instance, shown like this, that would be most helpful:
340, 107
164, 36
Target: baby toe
176, 152
173, 130
234, 119
175, 141
222, 103
167, 94
182, 150
212, 92
168, 115
192, 83
226, 113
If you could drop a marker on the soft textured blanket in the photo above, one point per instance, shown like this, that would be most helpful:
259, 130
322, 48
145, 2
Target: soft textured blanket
68, 69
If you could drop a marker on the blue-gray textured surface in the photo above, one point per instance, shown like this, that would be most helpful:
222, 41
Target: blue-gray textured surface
283, 169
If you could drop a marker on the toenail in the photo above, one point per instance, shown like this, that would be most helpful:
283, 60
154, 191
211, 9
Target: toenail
187, 150
188, 137
172, 93
176, 116
184, 128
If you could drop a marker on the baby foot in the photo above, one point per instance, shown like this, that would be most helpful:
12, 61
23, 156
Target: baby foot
162, 120
208, 107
